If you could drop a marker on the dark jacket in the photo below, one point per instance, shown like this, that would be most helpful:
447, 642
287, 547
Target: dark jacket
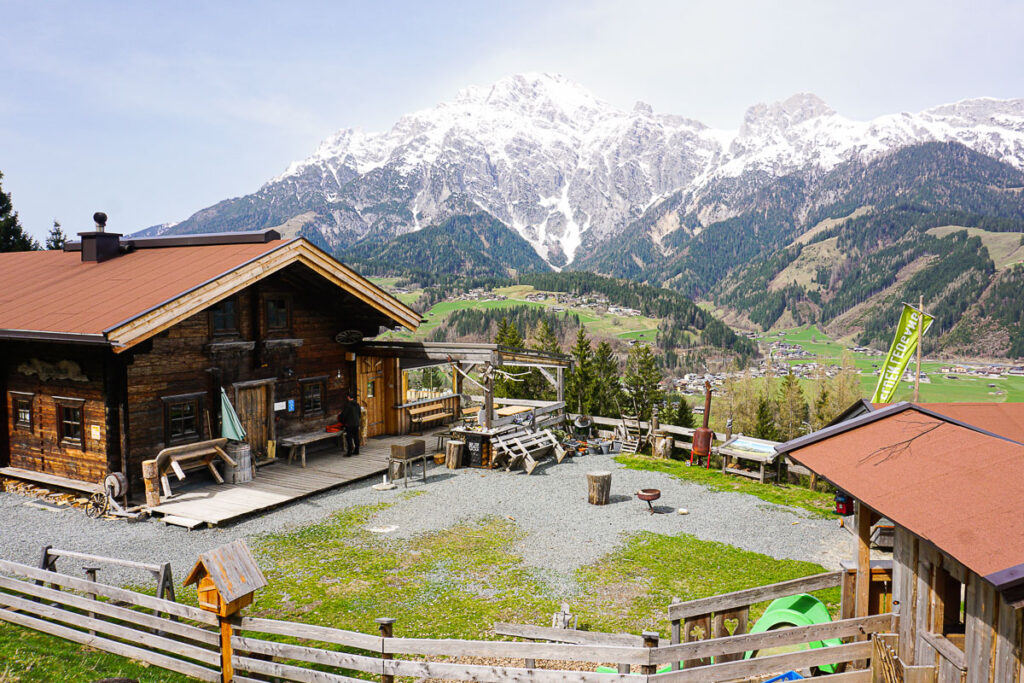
350, 414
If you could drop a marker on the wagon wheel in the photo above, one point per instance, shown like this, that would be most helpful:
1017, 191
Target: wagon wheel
97, 505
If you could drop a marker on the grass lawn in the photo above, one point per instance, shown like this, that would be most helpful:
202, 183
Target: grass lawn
817, 503
452, 583
941, 388
646, 335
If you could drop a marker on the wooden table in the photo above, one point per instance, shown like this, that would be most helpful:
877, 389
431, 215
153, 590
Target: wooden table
750, 449
298, 442
512, 410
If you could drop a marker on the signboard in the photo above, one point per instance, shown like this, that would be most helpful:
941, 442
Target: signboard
904, 344
291, 405
281, 405
94, 432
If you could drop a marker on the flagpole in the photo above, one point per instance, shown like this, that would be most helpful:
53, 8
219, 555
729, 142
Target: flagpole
920, 340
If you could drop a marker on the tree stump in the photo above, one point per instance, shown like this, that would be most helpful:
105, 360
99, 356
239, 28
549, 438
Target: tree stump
453, 454
662, 446
150, 478
599, 486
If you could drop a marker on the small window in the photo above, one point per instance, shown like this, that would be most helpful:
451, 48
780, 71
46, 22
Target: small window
371, 388
21, 405
312, 396
224, 317
278, 319
69, 420
183, 418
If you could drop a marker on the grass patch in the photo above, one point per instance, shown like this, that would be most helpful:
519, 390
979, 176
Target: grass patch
452, 583
818, 504
653, 570
27, 656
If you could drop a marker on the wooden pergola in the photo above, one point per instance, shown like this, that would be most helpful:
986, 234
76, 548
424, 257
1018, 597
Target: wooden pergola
469, 357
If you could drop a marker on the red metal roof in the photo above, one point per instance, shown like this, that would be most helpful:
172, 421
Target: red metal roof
955, 486
55, 291
1005, 419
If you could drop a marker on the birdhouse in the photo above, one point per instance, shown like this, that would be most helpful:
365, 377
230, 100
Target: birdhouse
226, 578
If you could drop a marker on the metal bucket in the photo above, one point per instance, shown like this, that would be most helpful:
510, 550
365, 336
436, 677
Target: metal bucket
240, 452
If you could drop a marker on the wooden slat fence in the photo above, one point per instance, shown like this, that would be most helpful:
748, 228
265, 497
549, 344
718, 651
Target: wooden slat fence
186, 640
111, 619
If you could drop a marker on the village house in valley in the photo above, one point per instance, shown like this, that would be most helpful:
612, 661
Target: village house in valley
114, 349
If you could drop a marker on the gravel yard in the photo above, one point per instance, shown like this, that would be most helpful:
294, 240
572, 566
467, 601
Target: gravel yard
562, 531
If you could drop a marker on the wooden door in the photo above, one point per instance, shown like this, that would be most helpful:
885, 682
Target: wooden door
254, 408
371, 393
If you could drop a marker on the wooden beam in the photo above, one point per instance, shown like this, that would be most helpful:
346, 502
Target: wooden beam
727, 601
862, 522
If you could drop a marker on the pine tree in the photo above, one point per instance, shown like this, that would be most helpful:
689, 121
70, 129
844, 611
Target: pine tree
578, 385
606, 390
56, 238
684, 415
12, 236
537, 386
506, 387
822, 416
793, 410
765, 427
641, 380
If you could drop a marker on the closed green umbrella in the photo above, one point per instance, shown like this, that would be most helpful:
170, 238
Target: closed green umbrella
230, 425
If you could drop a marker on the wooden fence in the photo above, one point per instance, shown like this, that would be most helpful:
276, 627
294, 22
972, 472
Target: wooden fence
186, 640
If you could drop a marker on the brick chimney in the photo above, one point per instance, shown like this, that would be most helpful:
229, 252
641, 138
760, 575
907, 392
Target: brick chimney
99, 246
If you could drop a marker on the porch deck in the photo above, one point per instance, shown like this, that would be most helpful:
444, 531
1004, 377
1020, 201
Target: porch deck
280, 483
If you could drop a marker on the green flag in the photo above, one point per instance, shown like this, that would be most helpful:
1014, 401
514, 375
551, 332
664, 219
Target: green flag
230, 426
908, 334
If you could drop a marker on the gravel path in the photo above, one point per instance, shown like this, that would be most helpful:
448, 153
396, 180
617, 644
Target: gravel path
562, 531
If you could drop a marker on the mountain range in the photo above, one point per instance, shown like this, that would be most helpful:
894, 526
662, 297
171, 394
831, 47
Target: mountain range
538, 162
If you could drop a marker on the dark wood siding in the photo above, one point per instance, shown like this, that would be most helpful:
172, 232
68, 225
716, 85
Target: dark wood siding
48, 371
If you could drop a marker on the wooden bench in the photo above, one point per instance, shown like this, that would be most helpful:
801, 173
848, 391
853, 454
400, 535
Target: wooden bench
428, 412
405, 455
762, 459
180, 459
298, 442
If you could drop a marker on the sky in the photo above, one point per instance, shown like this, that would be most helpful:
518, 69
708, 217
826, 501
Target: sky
150, 111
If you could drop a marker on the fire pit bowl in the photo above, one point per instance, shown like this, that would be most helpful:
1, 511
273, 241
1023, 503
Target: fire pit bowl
649, 495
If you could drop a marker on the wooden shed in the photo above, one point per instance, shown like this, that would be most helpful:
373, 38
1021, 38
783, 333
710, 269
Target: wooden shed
953, 490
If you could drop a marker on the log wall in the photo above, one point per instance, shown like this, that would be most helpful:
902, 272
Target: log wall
57, 370
186, 359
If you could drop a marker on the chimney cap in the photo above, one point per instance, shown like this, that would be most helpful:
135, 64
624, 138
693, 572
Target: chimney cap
101, 220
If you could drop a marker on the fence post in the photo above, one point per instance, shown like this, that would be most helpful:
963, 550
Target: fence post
386, 625
650, 641
90, 574
677, 633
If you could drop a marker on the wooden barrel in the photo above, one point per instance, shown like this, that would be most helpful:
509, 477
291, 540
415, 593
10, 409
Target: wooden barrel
599, 487
241, 453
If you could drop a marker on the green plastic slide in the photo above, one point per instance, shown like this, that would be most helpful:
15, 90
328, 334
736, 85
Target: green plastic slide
796, 610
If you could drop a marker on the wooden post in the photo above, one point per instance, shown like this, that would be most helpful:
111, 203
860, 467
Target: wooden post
677, 632
386, 626
560, 386
488, 396
862, 518
650, 641
227, 669
150, 478
599, 486
920, 339
90, 574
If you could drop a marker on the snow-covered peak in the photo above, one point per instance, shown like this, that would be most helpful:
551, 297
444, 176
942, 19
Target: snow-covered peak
554, 162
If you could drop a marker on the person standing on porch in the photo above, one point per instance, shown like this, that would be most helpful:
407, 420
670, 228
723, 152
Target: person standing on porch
350, 417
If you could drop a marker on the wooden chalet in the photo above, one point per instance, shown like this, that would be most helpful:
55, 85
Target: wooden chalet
953, 490
114, 349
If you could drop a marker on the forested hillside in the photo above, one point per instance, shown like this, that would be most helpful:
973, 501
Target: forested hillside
476, 245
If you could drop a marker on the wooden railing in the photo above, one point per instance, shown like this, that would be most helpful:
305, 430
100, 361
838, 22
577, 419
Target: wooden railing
186, 640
